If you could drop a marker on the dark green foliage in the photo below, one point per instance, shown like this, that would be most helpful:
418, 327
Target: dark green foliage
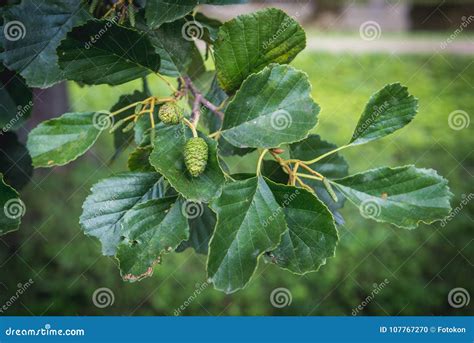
285, 209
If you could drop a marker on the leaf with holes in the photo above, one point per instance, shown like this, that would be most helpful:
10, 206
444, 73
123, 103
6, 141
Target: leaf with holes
111, 199
150, 229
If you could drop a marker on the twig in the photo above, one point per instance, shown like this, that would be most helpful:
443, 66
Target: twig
304, 166
260, 161
201, 99
191, 126
304, 185
196, 109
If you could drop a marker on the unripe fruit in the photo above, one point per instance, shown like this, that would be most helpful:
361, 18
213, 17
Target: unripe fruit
196, 153
170, 114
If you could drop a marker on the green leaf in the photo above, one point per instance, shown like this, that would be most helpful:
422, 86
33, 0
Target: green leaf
142, 129
111, 199
175, 51
138, 161
215, 95
226, 149
15, 162
16, 101
158, 12
250, 42
59, 141
272, 170
197, 66
43, 25
388, 110
403, 196
201, 224
210, 27
272, 107
102, 52
167, 158
332, 167
312, 235
150, 229
11, 208
249, 223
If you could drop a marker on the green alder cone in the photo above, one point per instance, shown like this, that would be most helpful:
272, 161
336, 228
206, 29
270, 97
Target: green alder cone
170, 114
196, 153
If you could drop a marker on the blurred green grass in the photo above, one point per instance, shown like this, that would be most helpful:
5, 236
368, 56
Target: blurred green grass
422, 266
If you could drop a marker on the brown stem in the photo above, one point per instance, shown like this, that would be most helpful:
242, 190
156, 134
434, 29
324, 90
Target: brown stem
196, 109
200, 99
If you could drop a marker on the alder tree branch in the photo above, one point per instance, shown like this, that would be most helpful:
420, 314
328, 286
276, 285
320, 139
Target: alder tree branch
199, 100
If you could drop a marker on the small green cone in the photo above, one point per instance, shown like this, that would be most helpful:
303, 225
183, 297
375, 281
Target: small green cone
196, 153
170, 114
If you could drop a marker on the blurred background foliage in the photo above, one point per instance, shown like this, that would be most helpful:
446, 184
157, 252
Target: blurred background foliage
421, 266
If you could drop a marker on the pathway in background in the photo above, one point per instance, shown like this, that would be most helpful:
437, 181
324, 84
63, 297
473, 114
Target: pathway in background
403, 45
